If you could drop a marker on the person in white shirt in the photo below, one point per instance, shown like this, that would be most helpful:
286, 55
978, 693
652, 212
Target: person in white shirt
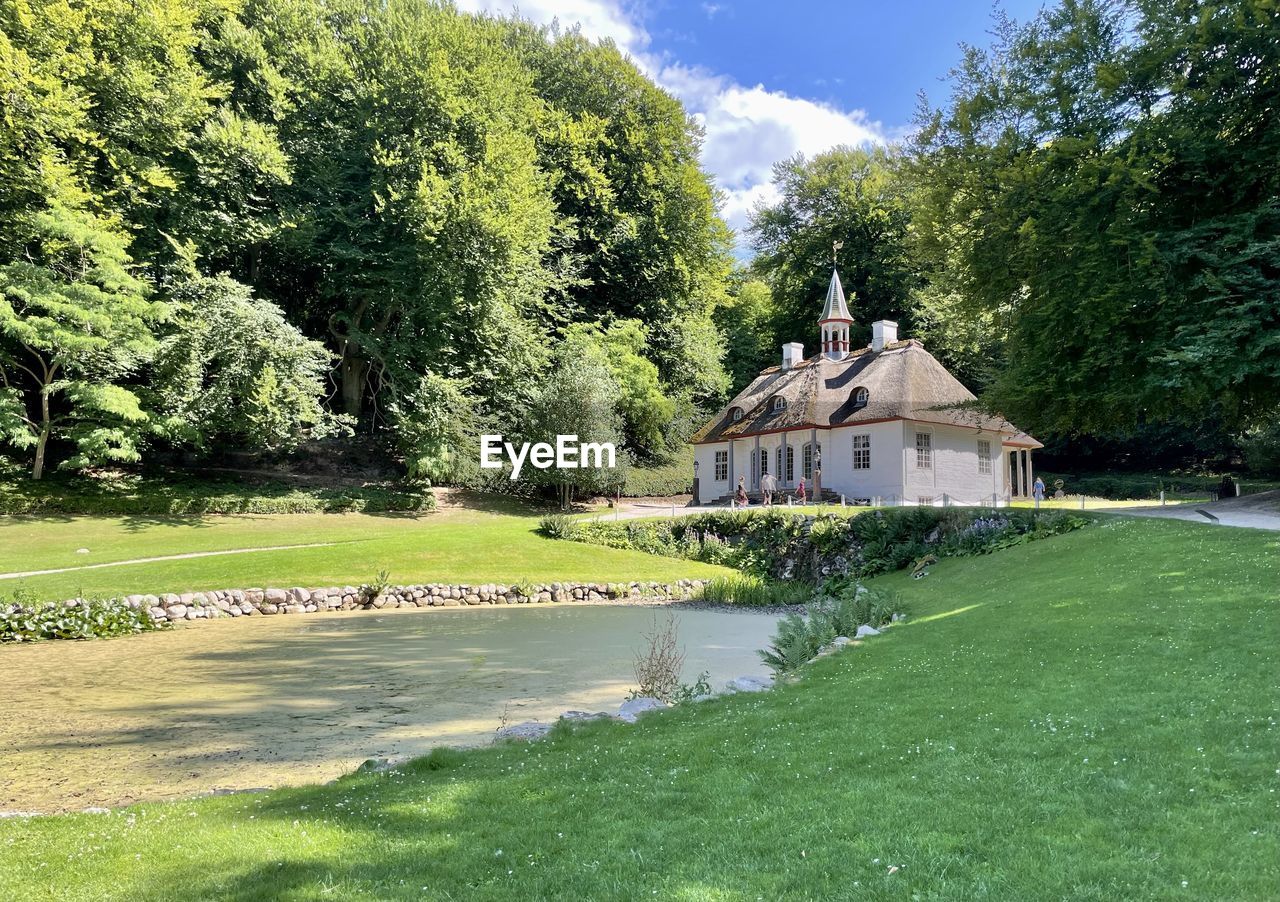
768, 486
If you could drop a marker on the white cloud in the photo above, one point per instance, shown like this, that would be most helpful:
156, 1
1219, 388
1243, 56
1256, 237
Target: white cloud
748, 129
597, 18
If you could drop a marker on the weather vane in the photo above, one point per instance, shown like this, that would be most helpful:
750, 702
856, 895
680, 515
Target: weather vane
835, 249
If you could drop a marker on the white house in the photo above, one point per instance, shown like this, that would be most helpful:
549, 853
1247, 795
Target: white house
884, 424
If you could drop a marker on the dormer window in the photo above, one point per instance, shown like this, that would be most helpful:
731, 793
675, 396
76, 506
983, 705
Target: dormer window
779, 403
736, 414
860, 397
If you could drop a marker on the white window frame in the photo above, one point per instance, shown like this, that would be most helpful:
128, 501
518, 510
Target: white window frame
924, 500
924, 450
764, 462
722, 466
786, 464
779, 403
860, 397
984, 457
862, 450
737, 414
806, 460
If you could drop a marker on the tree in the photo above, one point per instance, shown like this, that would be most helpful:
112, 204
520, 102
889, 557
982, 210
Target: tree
642, 403
75, 324
435, 427
234, 371
847, 197
1101, 185
746, 319
578, 397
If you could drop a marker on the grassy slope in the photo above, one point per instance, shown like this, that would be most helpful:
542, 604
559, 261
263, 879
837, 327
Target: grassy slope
450, 546
1089, 717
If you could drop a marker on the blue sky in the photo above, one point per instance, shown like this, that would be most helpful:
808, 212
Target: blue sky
771, 79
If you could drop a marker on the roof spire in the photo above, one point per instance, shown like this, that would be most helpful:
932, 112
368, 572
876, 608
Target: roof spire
835, 307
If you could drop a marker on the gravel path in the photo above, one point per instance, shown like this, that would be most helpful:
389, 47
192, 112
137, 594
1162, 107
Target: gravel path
1260, 511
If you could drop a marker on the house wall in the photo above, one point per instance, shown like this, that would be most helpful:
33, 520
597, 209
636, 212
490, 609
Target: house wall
883, 480
955, 465
893, 477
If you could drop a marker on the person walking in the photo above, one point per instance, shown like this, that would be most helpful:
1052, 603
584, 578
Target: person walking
740, 495
768, 487
1037, 490
800, 492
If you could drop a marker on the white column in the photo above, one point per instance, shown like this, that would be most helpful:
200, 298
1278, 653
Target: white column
733, 482
755, 466
1030, 473
1018, 485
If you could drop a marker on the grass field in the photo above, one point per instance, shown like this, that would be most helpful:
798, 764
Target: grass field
447, 546
1095, 716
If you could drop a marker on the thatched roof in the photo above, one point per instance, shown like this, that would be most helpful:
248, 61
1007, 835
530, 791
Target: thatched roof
903, 381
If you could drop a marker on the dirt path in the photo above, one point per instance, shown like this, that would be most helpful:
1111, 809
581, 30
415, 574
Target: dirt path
164, 557
1260, 511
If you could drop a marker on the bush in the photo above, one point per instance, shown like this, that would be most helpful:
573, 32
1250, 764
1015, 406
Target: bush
24, 621
136, 495
661, 479
779, 546
799, 638
558, 526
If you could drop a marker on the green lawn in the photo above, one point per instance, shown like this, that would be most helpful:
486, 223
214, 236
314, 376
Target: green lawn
1095, 716
448, 546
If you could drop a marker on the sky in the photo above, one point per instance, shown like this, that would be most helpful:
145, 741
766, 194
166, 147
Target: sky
772, 79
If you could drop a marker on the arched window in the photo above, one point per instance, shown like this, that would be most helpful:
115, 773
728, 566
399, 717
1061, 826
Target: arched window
779, 403
860, 397
786, 463
806, 458
736, 414
764, 462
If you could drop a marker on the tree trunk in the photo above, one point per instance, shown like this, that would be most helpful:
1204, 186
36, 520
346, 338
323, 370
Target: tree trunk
37, 469
354, 369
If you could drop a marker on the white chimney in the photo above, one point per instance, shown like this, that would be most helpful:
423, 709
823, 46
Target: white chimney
792, 353
883, 332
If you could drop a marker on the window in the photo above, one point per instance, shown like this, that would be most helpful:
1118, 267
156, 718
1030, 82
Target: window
984, 456
779, 404
786, 465
764, 462
924, 451
860, 396
862, 451
925, 501
722, 466
736, 413
806, 457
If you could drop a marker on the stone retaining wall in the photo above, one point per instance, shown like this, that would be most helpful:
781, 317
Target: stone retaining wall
253, 602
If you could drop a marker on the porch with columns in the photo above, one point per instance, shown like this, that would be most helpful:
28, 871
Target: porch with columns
1019, 473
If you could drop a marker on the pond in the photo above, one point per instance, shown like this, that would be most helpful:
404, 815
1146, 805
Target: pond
271, 701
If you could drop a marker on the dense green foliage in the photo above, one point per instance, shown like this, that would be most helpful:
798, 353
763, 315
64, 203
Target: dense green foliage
1086, 230
437, 199
1101, 184
802, 636
847, 202
170, 495
826, 548
1011, 671
24, 620
1144, 486
754, 592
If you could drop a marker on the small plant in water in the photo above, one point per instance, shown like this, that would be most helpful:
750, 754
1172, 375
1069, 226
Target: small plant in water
658, 665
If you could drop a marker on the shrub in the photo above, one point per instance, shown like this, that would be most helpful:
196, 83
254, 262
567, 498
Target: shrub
659, 664
752, 591
800, 637
558, 526
778, 546
23, 621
